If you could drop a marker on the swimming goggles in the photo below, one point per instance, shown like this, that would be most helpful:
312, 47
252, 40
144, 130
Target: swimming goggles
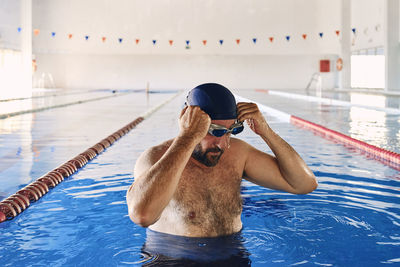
219, 131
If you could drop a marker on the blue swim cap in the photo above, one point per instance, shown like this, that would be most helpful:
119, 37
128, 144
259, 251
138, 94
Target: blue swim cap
214, 99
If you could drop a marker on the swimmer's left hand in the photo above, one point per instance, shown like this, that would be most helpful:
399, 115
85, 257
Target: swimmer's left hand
250, 113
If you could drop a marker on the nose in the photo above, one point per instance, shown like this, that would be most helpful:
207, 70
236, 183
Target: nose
223, 141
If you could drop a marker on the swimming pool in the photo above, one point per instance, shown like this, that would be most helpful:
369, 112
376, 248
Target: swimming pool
352, 218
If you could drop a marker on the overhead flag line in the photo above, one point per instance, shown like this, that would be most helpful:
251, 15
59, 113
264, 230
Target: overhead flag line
172, 42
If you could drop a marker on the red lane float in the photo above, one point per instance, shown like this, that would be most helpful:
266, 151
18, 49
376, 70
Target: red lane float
387, 157
262, 91
18, 202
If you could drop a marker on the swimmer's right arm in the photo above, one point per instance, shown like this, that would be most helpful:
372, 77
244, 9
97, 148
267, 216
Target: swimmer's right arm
157, 174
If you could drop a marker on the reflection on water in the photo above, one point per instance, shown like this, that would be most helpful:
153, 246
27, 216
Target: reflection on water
16, 152
368, 125
171, 250
368, 100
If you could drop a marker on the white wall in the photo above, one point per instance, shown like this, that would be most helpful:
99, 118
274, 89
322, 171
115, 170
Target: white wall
367, 18
77, 63
182, 20
9, 23
182, 71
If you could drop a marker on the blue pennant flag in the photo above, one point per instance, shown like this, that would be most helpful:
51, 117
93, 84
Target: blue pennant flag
287, 38
254, 40
321, 34
53, 34
354, 30
221, 41
120, 40
87, 37
154, 42
19, 29
187, 42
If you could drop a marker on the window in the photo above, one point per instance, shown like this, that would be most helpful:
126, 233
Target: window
368, 71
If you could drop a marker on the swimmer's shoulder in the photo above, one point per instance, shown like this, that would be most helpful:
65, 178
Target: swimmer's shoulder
238, 144
242, 149
150, 156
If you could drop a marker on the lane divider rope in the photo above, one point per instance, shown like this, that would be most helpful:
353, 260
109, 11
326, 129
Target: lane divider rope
44, 96
389, 158
12, 114
328, 101
392, 159
18, 202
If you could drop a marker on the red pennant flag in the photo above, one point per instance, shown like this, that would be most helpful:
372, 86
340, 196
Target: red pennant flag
103, 39
304, 36
69, 36
238, 41
36, 32
271, 39
171, 42
204, 42
137, 41
337, 33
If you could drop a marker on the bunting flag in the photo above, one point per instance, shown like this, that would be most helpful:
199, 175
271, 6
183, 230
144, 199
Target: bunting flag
19, 29
36, 32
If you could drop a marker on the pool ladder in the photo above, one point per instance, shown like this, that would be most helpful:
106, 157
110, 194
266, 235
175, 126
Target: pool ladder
318, 86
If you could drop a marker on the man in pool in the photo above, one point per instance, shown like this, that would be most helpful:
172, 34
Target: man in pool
190, 185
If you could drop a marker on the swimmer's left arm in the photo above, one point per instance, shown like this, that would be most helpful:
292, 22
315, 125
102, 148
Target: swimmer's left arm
286, 171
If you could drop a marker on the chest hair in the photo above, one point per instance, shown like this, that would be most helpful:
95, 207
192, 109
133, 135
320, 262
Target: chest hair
209, 199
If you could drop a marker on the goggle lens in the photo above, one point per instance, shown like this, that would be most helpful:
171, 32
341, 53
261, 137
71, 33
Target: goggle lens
237, 130
219, 131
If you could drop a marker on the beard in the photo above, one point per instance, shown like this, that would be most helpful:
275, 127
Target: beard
205, 158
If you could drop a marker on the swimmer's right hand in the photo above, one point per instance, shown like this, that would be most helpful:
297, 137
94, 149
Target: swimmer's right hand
194, 123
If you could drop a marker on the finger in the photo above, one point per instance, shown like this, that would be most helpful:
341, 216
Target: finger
243, 103
244, 106
246, 112
183, 111
248, 115
248, 109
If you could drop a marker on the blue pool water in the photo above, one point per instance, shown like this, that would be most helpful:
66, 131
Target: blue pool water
352, 219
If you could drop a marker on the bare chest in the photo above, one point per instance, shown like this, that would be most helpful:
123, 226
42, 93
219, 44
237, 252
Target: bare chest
209, 200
